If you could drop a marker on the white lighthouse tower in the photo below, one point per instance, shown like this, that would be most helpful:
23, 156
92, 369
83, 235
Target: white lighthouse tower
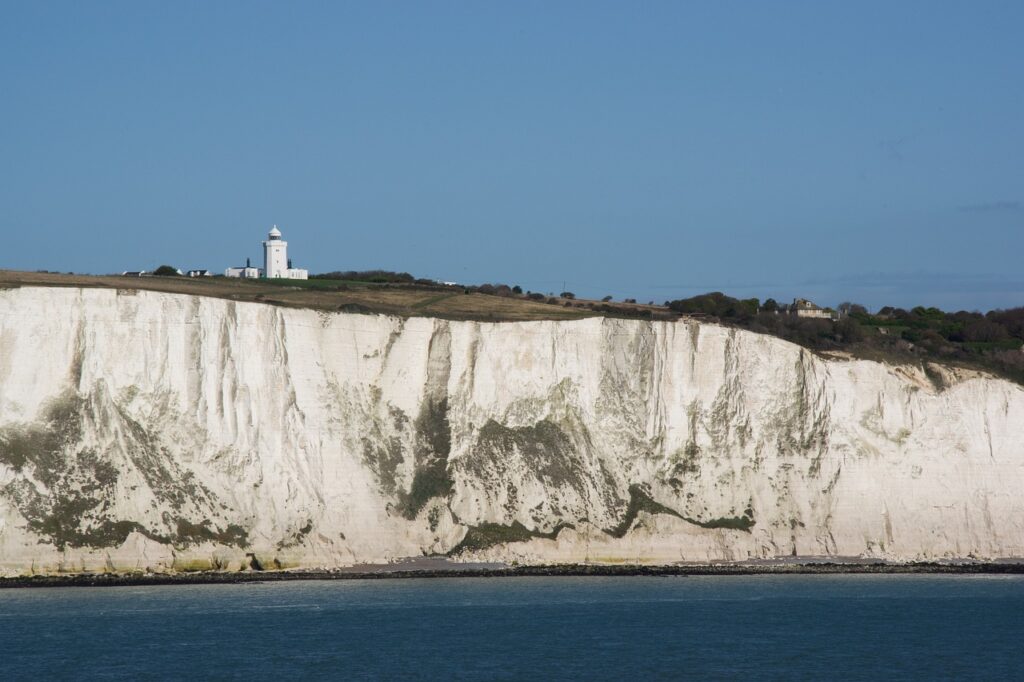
275, 255
275, 258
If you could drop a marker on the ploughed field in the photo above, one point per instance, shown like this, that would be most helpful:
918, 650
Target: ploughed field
404, 300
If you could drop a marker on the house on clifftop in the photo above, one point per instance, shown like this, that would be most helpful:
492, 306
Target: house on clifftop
803, 308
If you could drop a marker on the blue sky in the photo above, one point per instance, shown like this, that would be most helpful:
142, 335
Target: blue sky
842, 151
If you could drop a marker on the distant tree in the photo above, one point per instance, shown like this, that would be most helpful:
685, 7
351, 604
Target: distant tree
166, 271
606, 299
534, 296
848, 308
517, 289
848, 330
629, 300
1012, 320
985, 331
567, 294
770, 306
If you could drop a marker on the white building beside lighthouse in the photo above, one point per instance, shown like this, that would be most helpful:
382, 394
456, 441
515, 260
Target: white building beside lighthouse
275, 259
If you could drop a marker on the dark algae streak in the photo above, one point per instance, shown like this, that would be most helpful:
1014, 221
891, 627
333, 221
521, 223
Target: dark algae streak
489, 534
641, 501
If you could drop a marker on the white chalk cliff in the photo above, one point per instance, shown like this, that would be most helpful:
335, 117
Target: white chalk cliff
142, 430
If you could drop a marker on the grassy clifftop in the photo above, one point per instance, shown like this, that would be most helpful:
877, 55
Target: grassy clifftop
405, 300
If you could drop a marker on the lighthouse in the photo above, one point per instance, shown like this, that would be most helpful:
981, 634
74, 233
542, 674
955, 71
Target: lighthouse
275, 255
275, 258
275, 262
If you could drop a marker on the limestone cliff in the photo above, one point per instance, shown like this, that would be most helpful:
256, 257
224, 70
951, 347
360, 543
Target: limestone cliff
144, 430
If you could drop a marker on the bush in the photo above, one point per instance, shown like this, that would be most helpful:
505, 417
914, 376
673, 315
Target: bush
568, 294
717, 304
372, 276
167, 271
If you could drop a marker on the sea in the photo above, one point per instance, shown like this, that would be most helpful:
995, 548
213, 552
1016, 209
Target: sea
816, 627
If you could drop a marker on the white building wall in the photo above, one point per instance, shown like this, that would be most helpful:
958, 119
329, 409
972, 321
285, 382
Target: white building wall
243, 273
813, 312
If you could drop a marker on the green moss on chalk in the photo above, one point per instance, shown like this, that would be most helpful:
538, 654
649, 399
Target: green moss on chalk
431, 477
641, 501
489, 534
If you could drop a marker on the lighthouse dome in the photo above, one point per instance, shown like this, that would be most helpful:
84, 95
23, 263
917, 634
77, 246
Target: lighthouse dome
274, 232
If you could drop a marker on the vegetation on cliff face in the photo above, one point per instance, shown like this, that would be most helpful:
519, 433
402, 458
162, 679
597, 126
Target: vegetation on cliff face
433, 445
641, 501
990, 341
489, 534
67, 494
486, 534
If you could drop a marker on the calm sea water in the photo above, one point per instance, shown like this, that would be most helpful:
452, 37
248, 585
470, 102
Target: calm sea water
781, 627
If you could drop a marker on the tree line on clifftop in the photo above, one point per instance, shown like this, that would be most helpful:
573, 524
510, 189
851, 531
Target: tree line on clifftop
992, 341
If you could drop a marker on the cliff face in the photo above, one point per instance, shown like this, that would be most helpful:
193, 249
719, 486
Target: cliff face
144, 430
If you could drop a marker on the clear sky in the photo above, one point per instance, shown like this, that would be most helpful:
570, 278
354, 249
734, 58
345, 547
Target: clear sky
838, 150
